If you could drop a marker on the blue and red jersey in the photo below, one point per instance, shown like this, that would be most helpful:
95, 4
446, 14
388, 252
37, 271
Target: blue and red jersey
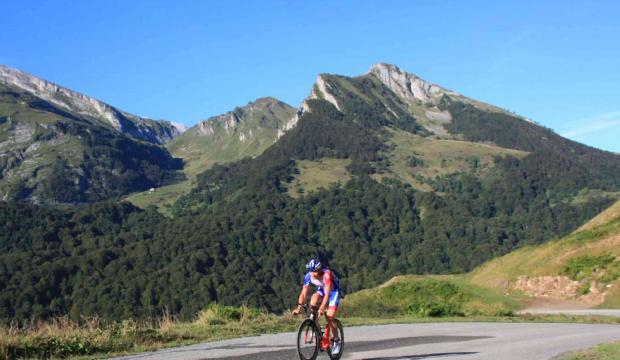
327, 278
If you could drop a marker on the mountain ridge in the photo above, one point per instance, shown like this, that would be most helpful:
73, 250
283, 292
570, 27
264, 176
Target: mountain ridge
413, 194
157, 131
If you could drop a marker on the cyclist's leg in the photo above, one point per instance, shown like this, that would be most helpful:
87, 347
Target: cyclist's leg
330, 314
315, 300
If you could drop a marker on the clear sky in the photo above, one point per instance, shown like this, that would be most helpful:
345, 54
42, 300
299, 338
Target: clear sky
556, 62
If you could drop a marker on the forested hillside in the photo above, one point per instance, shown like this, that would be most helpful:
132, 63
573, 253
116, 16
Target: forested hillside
240, 237
54, 153
245, 131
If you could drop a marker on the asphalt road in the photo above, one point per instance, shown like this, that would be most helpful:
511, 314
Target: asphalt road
415, 341
579, 312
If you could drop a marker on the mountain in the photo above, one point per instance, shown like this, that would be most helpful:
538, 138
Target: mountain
157, 132
381, 174
583, 266
59, 146
245, 131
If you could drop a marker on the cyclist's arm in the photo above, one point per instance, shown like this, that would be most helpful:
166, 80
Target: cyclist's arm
304, 292
303, 295
328, 283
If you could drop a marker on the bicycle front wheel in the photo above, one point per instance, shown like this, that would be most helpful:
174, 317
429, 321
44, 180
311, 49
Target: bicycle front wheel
308, 340
336, 353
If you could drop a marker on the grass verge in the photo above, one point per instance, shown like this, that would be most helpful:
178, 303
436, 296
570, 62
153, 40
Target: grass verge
609, 351
94, 338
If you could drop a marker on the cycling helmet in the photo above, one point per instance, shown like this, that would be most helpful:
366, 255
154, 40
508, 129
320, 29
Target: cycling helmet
313, 265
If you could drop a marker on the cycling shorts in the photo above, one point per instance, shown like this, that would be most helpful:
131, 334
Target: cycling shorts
334, 298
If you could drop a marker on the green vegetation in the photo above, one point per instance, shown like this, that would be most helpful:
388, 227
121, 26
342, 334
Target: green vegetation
62, 337
424, 296
162, 197
53, 156
609, 351
238, 226
242, 233
588, 255
604, 268
254, 128
580, 162
95, 338
435, 158
318, 174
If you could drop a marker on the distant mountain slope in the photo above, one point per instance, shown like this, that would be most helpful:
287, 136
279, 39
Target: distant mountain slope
85, 106
58, 146
244, 131
583, 266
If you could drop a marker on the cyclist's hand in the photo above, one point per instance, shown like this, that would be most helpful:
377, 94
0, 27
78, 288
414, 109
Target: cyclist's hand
297, 311
321, 310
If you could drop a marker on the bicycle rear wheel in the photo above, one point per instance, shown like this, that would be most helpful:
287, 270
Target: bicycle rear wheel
334, 355
308, 340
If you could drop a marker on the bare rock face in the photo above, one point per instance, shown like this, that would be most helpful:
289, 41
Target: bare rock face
77, 103
292, 122
230, 122
322, 90
59, 95
205, 127
407, 85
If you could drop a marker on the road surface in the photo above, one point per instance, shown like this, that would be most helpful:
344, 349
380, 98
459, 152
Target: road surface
578, 312
519, 341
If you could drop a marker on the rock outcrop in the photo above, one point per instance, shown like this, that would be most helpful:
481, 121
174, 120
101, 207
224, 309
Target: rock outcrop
408, 86
80, 104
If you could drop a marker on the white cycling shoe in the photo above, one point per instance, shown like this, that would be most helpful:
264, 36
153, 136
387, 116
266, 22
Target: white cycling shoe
336, 346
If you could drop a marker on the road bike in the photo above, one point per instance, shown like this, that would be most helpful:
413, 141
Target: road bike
311, 333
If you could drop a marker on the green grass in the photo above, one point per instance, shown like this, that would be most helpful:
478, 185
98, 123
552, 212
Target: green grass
590, 254
439, 157
318, 174
200, 151
610, 351
550, 258
428, 296
94, 338
162, 197
604, 268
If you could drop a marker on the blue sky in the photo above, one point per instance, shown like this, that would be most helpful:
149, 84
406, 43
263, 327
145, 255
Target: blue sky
556, 62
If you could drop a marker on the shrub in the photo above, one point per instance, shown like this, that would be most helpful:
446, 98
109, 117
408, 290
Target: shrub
584, 266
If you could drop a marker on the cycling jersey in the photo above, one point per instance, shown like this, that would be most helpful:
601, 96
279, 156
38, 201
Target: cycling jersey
328, 278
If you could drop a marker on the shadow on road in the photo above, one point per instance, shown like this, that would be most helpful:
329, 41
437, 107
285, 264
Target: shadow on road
354, 347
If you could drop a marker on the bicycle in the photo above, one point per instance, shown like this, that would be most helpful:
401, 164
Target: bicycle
310, 335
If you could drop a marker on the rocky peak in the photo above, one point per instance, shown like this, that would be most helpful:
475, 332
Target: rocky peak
407, 85
58, 95
143, 128
322, 90
265, 111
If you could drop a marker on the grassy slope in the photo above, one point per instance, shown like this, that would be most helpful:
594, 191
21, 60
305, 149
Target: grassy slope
598, 237
318, 174
439, 157
422, 296
199, 152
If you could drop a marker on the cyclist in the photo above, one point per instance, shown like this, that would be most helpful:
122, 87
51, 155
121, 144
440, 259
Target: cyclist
326, 282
